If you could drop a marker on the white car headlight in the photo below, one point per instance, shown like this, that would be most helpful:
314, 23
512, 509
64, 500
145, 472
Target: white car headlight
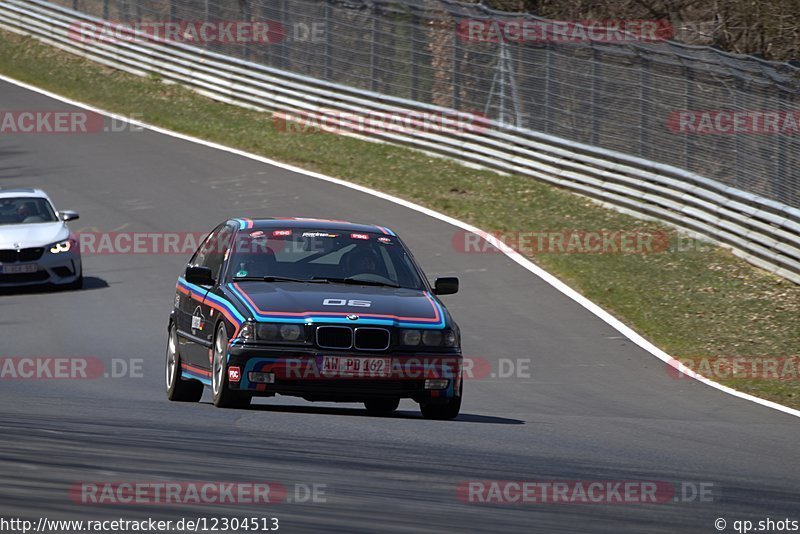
62, 246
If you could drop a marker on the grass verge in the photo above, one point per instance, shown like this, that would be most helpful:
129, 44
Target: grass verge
695, 302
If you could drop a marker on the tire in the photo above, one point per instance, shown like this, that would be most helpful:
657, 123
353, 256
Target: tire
381, 406
178, 389
440, 412
224, 397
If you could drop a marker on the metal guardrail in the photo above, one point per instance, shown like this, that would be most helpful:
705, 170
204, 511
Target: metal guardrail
762, 231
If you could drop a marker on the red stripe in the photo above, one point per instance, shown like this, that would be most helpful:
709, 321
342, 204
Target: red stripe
211, 304
436, 317
195, 369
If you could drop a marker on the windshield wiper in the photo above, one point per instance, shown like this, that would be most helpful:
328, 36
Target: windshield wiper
277, 279
356, 281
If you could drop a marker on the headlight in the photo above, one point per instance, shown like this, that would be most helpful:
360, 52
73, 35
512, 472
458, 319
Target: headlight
63, 246
247, 332
290, 332
432, 337
267, 332
449, 339
410, 337
275, 332
429, 338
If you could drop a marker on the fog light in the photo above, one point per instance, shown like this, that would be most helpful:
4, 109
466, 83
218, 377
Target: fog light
261, 378
436, 383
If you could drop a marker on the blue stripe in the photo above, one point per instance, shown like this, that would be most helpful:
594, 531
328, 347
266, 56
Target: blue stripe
202, 293
189, 374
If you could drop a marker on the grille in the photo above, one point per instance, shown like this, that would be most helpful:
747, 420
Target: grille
372, 339
334, 337
26, 254
21, 278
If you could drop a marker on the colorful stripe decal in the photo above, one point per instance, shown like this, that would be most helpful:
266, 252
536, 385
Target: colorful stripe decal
244, 223
195, 370
213, 301
310, 317
385, 230
195, 373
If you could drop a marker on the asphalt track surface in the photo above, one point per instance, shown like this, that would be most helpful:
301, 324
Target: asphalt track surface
596, 407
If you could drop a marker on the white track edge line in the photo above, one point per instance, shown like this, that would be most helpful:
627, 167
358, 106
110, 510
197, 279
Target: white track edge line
551, 279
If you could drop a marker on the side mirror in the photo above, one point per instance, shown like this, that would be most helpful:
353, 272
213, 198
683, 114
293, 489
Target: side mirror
68, 215
446, 286
198, 275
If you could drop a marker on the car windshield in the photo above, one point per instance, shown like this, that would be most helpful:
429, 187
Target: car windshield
26, 210
323, 256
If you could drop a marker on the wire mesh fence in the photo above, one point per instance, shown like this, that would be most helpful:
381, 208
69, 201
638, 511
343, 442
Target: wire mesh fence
731, 118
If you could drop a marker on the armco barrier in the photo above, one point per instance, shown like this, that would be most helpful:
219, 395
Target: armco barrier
762, 231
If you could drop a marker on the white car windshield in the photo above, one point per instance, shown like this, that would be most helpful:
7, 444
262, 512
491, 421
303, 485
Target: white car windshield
26, 210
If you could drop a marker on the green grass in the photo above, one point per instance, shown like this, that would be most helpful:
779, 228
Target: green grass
696, 303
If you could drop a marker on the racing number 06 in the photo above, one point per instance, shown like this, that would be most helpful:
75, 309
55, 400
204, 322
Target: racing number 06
347, 302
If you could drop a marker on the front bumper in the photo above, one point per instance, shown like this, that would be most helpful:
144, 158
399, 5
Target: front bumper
56, 269
301, 373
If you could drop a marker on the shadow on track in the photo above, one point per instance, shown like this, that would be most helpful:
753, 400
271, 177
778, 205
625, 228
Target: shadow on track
89, 283
360, 412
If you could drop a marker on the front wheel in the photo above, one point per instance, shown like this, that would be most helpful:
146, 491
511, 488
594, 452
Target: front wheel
222, 395
448, 410
178, 389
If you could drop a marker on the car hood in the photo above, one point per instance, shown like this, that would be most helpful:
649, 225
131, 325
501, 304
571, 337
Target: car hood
32, 235
333, 303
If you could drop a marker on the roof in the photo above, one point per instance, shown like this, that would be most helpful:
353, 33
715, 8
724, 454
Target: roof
21, 191
311, 223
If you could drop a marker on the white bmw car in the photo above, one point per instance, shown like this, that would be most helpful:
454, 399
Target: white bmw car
36, 246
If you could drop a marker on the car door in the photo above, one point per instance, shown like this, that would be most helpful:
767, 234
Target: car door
196, 326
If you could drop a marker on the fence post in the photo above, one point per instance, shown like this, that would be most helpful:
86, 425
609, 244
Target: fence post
644, 107
328, 69
415, 55
373, 59
246, 14
547, 75
597, 71
780, 161
687, 141
456, 66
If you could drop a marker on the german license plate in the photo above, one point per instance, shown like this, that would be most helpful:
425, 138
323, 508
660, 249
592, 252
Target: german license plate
356, 366
20, 269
